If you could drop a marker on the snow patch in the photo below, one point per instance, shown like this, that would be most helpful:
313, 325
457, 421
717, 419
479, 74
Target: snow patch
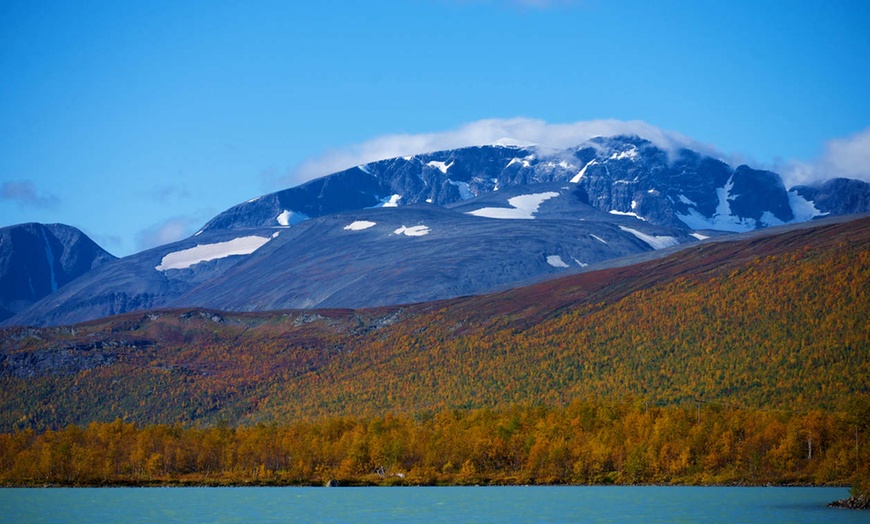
631, 154
365, 169
699, 236
524, 162
724, 194
654, 241
722, 219
390, 201
582, 172
803, 209
696, 220
464, 191
627, 214
204, 252
686, 200
556, 261
413, 231
768, 219
291, 218
598, 238
522, 207
581, 264
359, 225
443, 167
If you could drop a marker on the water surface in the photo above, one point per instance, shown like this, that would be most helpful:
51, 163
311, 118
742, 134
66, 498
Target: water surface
430, 504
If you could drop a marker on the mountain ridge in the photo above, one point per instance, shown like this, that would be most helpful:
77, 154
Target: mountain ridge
37, 259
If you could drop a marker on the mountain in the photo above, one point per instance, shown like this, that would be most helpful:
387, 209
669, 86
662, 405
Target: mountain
447, 224
839, 196
38, 259
620, 175
774, 321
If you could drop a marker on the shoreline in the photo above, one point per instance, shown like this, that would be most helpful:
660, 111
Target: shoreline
332, 483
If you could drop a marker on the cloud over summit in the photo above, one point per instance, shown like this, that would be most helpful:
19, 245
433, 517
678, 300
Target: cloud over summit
842, 158
514, 131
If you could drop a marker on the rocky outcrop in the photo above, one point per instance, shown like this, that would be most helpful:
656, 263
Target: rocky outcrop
855, 502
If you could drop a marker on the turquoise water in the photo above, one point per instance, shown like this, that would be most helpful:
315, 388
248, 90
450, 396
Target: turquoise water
431, 504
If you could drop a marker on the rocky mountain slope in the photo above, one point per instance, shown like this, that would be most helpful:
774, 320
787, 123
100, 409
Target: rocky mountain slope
38, 259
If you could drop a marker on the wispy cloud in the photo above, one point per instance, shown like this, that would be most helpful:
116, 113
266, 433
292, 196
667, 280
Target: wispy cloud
170, 230
842, 158
168, 192
515, 131
24, 193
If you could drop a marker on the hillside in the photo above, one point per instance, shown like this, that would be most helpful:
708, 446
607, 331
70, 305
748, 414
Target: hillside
768, 322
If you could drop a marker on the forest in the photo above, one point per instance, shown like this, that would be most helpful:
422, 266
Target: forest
584, 442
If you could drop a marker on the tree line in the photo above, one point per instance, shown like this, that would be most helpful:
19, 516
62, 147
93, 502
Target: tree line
584, 442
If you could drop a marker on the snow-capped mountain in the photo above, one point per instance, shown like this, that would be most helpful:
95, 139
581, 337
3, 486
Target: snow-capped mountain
618, 175
446, 224
36, 260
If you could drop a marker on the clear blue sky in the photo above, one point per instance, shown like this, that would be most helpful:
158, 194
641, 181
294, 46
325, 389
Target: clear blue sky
139, 121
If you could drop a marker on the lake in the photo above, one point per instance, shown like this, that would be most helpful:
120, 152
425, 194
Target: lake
427, 504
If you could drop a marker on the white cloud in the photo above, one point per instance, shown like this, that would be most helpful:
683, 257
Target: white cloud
843, 157
171, 230
514, 131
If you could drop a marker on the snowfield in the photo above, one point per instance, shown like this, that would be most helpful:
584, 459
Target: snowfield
290, 218
803, 209
654, 241
722, 219
359, 225
556, 261
524, 162
582, 172
626, 214
205, 252
441, 166
413, 231
464, 190
523, 207
631, 154
390, 201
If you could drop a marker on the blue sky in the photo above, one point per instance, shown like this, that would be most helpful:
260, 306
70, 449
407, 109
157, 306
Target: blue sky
139, 121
